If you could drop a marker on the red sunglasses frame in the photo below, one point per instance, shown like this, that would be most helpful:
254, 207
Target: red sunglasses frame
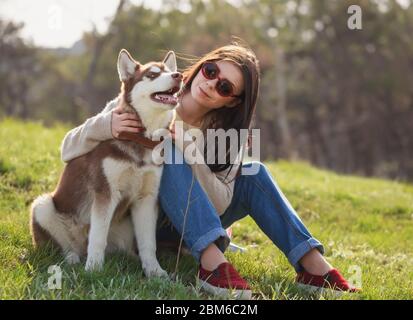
219, 80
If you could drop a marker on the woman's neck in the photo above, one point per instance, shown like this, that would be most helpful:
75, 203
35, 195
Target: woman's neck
190, 111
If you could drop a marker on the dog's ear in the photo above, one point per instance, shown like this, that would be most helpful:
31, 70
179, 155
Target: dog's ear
126, 65
170, 61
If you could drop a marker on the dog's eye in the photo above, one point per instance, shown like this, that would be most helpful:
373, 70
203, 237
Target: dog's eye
152, 75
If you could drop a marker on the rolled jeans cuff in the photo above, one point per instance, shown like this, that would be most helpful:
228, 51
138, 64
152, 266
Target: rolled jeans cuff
217, 235
299, 251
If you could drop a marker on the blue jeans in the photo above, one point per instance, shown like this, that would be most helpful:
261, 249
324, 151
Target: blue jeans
257, 195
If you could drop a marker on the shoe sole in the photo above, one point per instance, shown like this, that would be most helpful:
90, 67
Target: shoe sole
235, 248
226, 293
322, 291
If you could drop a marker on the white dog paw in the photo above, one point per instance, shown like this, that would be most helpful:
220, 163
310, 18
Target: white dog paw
94, 263
155, 271
72, 258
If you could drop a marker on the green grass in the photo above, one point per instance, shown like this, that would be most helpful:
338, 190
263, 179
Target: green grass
363, 223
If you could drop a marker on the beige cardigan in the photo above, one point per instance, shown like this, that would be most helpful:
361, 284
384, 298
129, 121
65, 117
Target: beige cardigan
87, 136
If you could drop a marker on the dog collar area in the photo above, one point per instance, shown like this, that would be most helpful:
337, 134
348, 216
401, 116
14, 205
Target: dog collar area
140, 139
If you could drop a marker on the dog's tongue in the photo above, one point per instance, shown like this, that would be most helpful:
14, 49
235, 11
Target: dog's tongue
167, 98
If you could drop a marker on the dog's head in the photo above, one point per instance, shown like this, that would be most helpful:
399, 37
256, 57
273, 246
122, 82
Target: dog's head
152, 85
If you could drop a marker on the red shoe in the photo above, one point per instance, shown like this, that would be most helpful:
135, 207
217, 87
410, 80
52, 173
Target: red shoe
224, 281
332, 280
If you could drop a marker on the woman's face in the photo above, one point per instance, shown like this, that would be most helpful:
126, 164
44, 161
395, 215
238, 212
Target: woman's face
204, 91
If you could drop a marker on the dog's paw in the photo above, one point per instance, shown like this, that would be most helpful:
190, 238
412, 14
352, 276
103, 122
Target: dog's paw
161, 273
155, 271
72, 258
94, 263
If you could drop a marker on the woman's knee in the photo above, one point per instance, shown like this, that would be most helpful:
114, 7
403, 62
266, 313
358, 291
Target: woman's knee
254, 168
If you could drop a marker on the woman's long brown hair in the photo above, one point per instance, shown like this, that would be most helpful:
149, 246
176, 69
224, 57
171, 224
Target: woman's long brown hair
237, 117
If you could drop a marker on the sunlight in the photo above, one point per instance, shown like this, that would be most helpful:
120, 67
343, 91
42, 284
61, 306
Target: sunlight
60, 23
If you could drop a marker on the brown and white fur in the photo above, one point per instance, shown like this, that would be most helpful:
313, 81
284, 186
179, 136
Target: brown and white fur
88, 213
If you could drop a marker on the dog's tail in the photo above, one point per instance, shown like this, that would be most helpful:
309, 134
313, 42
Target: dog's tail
42, 212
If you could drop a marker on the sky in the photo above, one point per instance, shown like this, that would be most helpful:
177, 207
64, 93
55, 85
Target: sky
60, 23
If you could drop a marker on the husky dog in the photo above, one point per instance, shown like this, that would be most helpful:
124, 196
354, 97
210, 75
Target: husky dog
88, 213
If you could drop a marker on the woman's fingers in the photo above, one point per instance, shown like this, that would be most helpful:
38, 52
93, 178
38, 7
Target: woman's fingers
129, 116
130, 120
127, 123
121, 130
130, 129
118, 110
131, 123
126, 115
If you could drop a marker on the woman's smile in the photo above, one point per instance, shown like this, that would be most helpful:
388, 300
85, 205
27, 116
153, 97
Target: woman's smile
204, 94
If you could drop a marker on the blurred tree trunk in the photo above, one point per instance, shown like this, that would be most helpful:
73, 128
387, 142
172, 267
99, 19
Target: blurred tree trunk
287, 147
24, 113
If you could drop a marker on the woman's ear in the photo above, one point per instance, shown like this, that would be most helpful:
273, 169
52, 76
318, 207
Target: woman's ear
233, 103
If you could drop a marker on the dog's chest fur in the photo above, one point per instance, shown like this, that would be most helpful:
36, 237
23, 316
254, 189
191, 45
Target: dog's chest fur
115, 171
131, 174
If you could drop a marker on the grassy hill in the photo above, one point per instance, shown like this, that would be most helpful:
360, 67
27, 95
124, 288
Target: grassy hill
366, 226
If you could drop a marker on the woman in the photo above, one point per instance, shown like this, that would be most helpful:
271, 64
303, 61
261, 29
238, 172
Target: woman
220, 92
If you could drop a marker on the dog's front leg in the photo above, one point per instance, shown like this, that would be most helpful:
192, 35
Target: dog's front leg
101, 217
144, 217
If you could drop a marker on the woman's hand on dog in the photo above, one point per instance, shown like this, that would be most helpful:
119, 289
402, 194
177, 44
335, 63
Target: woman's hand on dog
126, 123
123, 122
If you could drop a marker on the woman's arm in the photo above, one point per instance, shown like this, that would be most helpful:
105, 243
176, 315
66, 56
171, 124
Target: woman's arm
88, 135
217, 185
106, 125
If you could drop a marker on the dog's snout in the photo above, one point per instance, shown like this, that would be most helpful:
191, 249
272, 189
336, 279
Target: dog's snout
177, 76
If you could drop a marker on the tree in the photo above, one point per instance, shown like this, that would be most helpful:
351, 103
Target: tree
17, 70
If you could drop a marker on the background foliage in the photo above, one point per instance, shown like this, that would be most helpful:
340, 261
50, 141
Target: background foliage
341, 99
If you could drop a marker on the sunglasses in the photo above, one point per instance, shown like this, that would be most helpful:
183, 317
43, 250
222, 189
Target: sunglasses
223, 87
